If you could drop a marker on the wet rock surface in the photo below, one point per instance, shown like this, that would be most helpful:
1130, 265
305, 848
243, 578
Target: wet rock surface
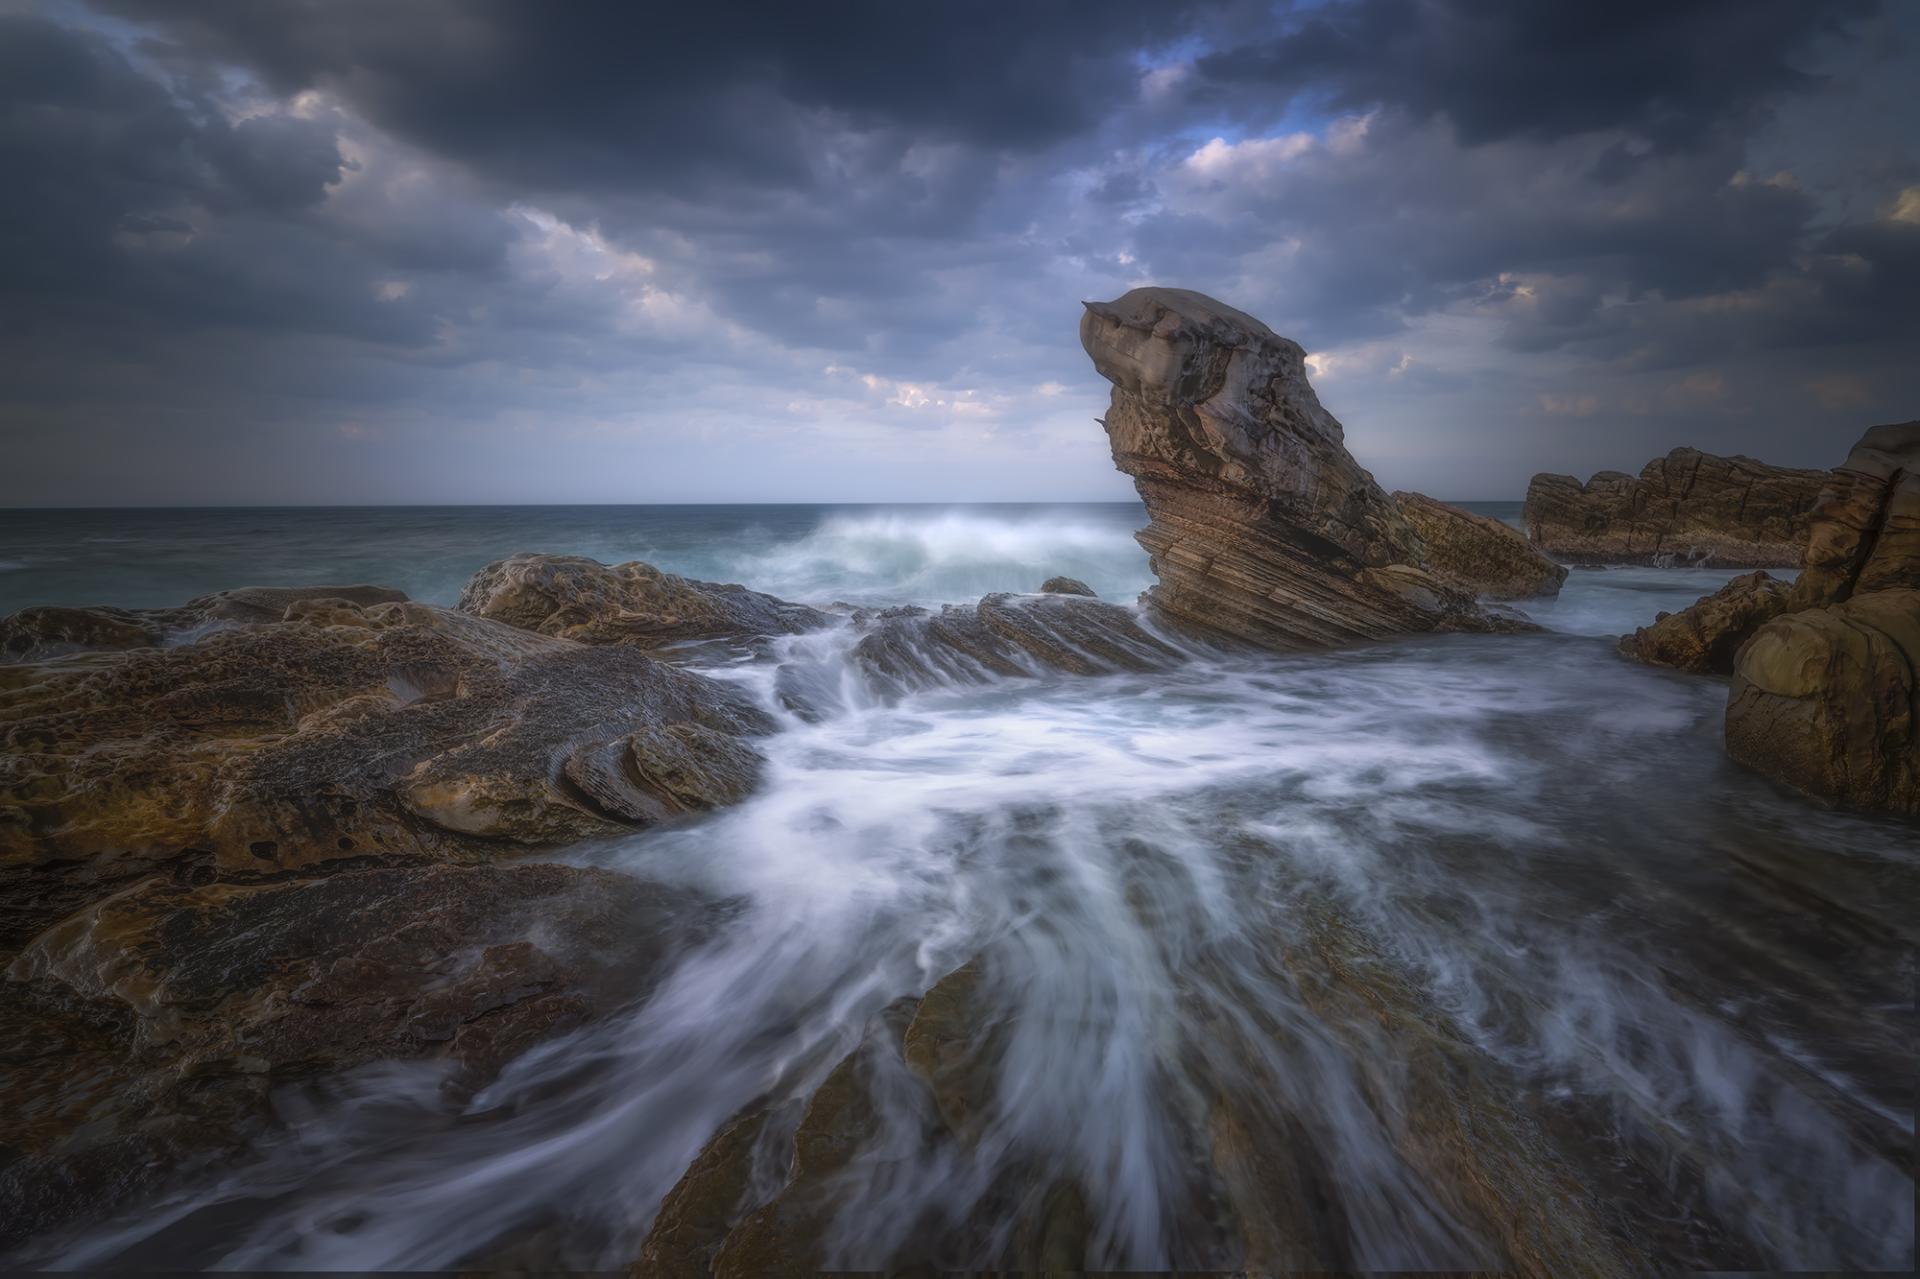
1005, 635
180, 1007
572, 597
1688, 507
257, 857
1263, 527
1825, 698
1479, 553
1704, 637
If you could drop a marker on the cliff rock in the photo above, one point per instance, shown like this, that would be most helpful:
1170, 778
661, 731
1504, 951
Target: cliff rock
1688, 507
1263, 527
1825, 698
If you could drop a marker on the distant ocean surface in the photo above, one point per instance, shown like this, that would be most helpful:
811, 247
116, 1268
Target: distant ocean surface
817, 553
919, 554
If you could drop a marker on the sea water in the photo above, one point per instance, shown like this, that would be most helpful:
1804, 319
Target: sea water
1538, 851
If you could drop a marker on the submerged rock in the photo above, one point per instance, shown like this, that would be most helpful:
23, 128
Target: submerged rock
1479, 553
1704, 637
147, 1029
1688, 507
1263, 527
573, 597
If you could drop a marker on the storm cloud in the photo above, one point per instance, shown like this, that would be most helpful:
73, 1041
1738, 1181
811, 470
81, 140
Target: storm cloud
344, 252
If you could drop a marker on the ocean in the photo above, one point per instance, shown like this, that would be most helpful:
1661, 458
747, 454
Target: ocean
1533, 851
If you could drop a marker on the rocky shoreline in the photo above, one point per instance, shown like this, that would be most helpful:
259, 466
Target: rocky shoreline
274, 834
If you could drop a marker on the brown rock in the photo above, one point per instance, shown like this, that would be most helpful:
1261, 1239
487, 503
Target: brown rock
1704, 636
1005, 636
185, 1004
1688, 507
414, 732
1826, 700
34, 634
576, 598
1066, 586
1823, 698
1478, 553
1263, 527
1865, 531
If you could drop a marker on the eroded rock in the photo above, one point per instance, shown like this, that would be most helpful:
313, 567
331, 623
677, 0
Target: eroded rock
184, 1005
409, 731
1704, 637
1824, 698
1066, 586
1004, 636
1688, 507
1479, 553
573, 597
1263, 527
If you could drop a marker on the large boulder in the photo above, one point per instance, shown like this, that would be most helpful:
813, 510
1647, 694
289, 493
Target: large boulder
1824, 697
1479, 553
1704, 637
573, 597
1826, 700
1263, 528
1688, 507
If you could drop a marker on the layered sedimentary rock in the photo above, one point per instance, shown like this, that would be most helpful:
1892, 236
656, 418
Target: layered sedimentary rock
244, 841
572, 597
1005, 635
1263, 527
1688, 507
353, 730
149, 1028
1477, 552
1826, 698
1704, 637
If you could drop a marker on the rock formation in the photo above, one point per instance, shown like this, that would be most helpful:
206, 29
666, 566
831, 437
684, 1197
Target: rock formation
572, 597
260, 855
1703, 637
1066, 586
1824, 694
148, 1028
1688, 507
1004, 635
1477, 552
1826, 698
1263, 528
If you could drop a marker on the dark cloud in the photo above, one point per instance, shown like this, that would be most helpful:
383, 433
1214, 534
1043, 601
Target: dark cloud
1668, 70
247, 248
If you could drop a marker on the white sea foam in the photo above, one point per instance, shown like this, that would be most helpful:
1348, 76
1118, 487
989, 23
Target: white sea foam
1521, 835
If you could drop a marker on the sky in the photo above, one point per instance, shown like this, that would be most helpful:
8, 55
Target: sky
350, 251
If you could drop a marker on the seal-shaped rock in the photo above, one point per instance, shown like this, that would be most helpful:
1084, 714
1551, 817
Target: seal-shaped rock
1263, 527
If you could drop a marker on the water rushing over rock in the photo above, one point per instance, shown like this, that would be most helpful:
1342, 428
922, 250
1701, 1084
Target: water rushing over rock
1463, 951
